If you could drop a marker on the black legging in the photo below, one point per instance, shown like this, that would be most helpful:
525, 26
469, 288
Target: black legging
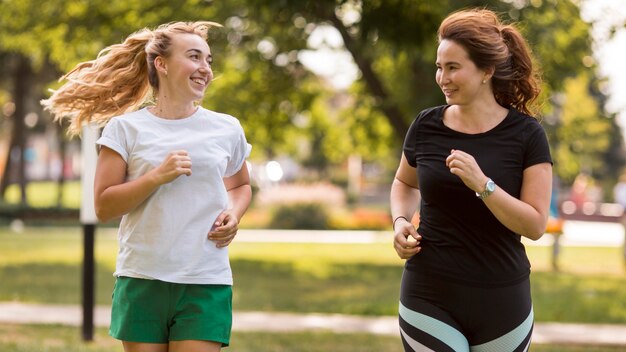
440, 316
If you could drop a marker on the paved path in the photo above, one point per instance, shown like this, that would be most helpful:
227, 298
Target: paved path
544, 333
575, 234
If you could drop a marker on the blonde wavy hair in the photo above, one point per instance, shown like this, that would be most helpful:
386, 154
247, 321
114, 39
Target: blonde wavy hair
120, 79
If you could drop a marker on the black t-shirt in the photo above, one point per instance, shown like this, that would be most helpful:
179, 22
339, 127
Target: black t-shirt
462, 240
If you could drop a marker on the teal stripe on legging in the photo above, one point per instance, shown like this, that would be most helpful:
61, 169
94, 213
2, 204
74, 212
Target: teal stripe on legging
414, 344
509, 341
436, 328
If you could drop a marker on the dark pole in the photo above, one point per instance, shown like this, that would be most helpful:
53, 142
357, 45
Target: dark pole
556, 250
88, 280
89, 220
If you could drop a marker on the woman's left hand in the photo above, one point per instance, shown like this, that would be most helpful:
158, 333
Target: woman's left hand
224, 229
465, 167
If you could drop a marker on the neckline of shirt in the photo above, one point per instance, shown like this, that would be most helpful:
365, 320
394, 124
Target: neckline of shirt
180, 121
470, 135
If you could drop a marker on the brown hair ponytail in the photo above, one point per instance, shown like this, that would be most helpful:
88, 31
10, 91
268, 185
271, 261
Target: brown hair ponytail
494, 45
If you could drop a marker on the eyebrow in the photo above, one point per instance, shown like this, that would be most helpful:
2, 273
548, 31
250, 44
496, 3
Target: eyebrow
198, 51
447, 63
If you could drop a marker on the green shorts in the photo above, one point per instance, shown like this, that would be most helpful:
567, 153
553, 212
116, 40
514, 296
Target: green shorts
154, 311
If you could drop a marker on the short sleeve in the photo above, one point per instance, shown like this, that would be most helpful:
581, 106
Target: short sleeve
410, 142
537, 146
241, 151
113, 137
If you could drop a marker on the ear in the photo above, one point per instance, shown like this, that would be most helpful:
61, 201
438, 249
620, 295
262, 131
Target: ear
489, 73
160, 65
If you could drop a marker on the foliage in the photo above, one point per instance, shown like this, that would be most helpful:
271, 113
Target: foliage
44, 194
358, 218
564, 52
311, 216
583, 137
361, 219
286, 109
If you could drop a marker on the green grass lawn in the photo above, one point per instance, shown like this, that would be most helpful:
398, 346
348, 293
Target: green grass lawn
44, 194
44, 265
55, 338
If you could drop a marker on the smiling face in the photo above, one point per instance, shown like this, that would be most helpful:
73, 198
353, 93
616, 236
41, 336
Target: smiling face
457, 75
186, 72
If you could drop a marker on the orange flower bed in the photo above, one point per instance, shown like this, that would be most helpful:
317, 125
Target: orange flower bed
555, 225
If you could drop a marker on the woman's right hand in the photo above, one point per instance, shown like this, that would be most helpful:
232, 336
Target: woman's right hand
176, 163
406, 241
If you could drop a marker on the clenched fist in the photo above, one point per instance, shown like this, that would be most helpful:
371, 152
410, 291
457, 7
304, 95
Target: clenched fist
176, 163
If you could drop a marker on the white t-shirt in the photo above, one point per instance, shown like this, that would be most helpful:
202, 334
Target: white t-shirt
165, 237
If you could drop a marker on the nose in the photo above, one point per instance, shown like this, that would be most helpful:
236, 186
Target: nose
204, 67
205, 70
442, 77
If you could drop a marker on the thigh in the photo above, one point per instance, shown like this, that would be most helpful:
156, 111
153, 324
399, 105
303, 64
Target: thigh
426, 324
196, 346
498, 319
501, 318
144, 347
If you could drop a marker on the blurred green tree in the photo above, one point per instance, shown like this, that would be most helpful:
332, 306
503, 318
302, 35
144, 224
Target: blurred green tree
394, 46
261, 79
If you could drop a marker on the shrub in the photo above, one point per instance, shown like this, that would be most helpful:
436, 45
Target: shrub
255, 218
368, 219
362, 219
312, 216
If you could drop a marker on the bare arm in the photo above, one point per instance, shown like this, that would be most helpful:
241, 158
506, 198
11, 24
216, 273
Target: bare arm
115, 197
404, 200
240, 194
526, 216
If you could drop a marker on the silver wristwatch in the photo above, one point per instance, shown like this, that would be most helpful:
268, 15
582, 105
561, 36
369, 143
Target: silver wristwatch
490, 187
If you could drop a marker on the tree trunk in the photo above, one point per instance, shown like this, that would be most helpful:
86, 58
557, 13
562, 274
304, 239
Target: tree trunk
62, 149
373, 82
21, 81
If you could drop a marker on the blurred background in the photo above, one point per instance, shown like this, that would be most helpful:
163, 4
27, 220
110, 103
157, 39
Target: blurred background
325, 91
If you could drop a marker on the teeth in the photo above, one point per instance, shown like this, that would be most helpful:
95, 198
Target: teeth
197, 80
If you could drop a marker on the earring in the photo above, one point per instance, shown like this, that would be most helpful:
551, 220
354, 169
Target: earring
484, 81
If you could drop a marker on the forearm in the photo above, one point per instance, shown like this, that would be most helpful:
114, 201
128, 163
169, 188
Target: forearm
118, 200
516, 215
240, 198
403, 199
528, 215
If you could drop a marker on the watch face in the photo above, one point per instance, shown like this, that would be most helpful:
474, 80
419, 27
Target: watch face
491, 186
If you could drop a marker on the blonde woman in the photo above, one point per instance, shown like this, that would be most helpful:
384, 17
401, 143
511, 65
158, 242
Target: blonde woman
176, 174
483, 169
